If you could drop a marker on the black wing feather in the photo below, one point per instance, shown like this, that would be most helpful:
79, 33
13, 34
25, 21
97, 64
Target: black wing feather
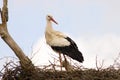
73, 44
71, 50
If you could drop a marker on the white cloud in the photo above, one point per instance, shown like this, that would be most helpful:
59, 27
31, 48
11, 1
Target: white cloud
42, 54
105, 48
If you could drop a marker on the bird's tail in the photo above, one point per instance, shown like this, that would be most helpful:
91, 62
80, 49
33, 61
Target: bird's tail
76, 55
79, 56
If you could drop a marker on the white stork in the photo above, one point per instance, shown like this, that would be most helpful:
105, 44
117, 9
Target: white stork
60, 42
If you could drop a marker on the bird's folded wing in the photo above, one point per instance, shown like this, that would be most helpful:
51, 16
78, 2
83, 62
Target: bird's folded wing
59, 34
59, 41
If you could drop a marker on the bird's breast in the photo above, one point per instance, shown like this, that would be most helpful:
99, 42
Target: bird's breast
55, 40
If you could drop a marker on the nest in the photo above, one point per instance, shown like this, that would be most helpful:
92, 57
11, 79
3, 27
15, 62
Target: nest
13, 71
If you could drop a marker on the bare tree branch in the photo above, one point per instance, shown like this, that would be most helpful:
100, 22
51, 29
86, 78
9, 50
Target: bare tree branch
4, 34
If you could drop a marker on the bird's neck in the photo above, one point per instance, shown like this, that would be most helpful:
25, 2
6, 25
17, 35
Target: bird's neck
49, 26
49, 31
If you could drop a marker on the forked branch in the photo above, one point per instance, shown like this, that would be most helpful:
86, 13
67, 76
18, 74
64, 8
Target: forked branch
4, 34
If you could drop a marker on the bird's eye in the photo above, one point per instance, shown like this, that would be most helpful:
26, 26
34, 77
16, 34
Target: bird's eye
48, 16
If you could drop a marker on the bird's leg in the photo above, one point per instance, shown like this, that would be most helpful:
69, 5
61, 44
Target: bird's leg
65, 63
60, 61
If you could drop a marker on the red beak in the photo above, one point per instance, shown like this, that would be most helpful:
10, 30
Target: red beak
54, 20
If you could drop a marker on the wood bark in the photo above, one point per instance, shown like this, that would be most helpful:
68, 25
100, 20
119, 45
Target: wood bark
25, 62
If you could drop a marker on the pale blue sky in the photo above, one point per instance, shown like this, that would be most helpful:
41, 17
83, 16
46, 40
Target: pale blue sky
89, 22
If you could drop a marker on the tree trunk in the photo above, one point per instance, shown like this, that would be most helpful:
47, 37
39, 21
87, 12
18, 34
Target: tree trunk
25, 62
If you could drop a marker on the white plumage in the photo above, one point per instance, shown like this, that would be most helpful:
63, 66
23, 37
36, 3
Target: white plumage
54, 38
60, 42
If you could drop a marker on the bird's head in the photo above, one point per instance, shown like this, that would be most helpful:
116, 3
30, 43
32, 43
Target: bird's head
50, 18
